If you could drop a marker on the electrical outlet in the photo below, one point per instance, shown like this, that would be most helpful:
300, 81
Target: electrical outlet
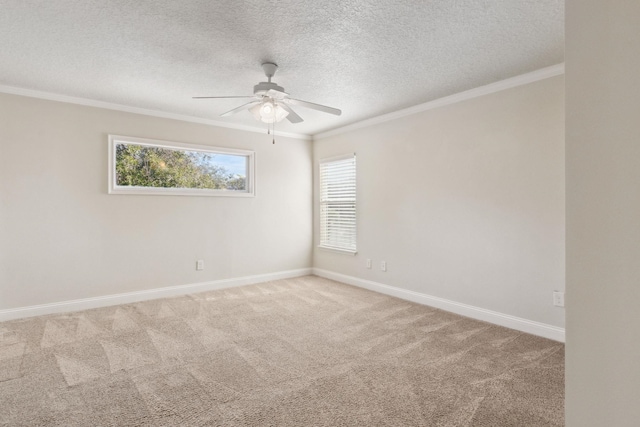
200, 264
368, 263
558, 298
383, 265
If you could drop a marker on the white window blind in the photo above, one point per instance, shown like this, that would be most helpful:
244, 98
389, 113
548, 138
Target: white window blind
338, 203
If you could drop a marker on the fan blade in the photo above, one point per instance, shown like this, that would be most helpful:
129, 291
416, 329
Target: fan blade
240, 108
313, 106
220, 97
292, 116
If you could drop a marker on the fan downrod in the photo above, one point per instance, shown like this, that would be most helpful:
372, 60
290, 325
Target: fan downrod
269, 69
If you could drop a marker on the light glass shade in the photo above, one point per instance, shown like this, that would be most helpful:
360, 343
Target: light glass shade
268, 111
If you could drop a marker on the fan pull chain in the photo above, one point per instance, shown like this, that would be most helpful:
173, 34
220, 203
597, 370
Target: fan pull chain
273, 132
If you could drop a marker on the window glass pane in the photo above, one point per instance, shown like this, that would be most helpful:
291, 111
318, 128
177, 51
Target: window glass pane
144, 166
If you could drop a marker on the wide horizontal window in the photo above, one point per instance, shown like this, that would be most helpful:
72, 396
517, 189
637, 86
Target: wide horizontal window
146, 166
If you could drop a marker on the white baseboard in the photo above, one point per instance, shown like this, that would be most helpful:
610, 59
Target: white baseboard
529, 326
129, 297
513, 322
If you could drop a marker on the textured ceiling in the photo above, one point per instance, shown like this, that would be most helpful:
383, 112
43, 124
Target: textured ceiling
365, 57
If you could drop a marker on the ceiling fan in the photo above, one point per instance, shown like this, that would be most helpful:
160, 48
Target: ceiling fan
270, 103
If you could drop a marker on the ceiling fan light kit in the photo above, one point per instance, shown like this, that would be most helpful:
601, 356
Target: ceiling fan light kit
271, 104
268, 111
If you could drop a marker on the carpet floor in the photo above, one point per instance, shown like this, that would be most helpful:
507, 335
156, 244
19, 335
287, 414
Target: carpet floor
298, 352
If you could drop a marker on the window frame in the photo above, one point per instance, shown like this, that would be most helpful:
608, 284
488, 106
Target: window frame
114, 188
323, 244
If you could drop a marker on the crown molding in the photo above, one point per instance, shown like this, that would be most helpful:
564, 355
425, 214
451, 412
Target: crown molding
135, 110
523, 79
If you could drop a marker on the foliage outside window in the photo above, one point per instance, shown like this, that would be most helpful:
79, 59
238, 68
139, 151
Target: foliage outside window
144, 166
338, 203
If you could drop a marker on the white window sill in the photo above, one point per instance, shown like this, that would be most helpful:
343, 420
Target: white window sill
162, 191
338, 250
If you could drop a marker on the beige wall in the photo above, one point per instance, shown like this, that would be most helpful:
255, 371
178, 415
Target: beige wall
464, 202
603, 213
63, 237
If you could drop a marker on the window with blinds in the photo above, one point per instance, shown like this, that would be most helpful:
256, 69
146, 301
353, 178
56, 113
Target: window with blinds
338, 203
